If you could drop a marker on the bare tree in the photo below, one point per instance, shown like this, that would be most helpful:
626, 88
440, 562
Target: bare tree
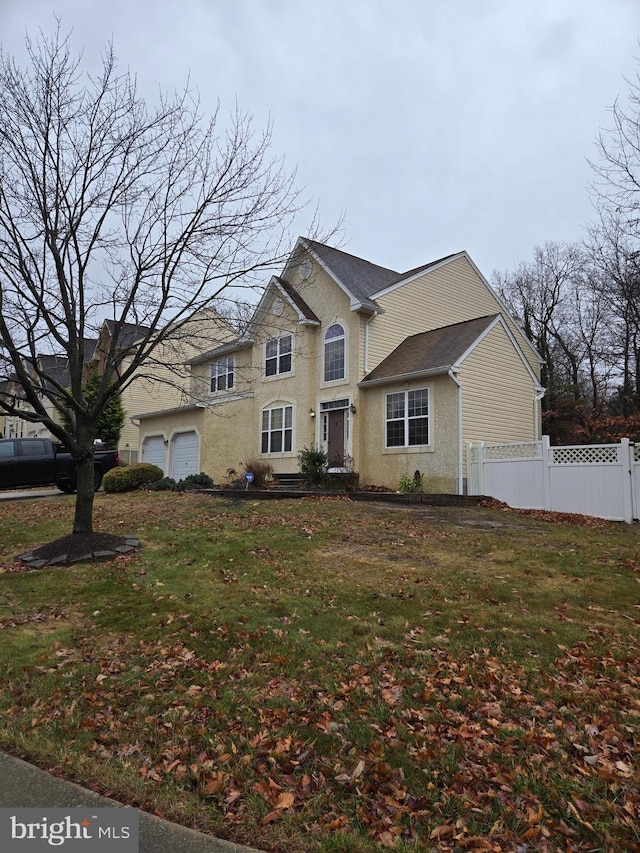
616, 187
562, 311
110, 208
617, 260
614, 242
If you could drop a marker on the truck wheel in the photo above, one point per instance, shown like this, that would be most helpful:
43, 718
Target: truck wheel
67, 488
97, 479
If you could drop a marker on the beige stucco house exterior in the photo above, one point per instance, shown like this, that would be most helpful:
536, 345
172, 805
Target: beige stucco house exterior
390, 372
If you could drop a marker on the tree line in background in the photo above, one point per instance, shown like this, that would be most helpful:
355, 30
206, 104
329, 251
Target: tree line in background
579, 303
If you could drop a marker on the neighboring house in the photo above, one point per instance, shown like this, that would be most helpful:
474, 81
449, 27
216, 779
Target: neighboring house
53, 370
163, 380
12, 425
391, 373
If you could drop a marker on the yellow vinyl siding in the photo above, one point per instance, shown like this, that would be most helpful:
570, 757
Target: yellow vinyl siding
163, 381
498, 392
449, 294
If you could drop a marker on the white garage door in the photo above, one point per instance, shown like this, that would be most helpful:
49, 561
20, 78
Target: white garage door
184, 455
153, 451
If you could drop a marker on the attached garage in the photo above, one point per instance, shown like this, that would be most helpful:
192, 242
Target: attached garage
184, 455
154, 451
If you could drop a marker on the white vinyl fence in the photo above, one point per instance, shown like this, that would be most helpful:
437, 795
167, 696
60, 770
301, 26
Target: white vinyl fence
600, 479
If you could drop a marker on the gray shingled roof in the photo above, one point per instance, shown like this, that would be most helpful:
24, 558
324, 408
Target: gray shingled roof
298, 301
129, 333
437, 350
361, 278
54, 368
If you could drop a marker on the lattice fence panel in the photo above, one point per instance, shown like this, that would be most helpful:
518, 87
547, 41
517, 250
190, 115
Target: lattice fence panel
636, 453
529, 450
586, 455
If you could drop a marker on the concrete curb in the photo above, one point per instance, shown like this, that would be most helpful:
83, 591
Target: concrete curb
24, 786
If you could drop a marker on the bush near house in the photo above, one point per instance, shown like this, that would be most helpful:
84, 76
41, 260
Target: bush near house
132, 477
314, 466
191, 483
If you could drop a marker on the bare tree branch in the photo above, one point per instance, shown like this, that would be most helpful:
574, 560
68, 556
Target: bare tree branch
111, 208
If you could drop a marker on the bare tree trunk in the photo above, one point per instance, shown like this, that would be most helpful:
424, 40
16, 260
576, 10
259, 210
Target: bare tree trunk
109, 206
83, 518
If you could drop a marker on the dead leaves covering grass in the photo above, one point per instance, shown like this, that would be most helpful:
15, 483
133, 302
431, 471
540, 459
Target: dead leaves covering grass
272, 736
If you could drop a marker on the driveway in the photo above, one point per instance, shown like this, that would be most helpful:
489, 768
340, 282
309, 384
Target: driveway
30, 494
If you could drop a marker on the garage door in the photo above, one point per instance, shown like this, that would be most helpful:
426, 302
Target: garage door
184, 455
153, 451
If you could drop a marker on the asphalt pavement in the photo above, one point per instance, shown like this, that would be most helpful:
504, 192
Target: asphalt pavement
24, 786
30, 494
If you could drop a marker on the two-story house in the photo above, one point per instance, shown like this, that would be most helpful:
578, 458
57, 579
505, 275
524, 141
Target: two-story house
162, 381
390, 372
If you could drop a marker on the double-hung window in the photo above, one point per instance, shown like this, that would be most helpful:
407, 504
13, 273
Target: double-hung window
278, 356
277, 430
334, 353
407, 418
222, 375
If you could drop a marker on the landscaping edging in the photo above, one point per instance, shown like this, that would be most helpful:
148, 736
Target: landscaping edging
31, 561
385, 497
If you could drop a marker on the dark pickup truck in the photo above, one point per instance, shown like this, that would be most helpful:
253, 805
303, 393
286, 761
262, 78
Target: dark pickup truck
41, 462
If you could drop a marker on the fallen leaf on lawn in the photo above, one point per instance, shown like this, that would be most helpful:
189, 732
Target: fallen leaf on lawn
285, 800
269, 818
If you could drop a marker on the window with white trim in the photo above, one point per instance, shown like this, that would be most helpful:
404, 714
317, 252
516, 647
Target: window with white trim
277, 430
334, 361
407, 418
278, 355
222, 374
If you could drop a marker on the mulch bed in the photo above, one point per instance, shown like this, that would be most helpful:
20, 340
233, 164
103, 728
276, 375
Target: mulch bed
78, 547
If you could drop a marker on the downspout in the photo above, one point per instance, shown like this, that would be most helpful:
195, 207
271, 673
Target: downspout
459, 416
366, 342
536, 409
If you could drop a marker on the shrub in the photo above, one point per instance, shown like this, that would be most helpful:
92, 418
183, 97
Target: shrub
195, 481
131, 478
314, 465
190, 483
261, 471
412, 485
166, 484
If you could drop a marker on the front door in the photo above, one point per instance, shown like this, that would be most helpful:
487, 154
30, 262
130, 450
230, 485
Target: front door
335, 438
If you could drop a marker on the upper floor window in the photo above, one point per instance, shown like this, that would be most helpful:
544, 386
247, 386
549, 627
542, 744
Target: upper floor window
334, 365
407, 418
222, 374
278, 356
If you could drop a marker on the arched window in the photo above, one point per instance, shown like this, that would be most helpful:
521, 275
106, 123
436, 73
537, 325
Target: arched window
334, 365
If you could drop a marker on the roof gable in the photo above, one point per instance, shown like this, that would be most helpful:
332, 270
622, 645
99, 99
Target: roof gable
306, 316
358, 278
437, 351
410, 275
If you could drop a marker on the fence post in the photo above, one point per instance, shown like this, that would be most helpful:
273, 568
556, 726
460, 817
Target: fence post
626, 458
471, 482
545, 449
481, 490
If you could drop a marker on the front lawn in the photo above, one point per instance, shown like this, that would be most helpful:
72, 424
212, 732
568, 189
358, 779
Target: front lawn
320, 675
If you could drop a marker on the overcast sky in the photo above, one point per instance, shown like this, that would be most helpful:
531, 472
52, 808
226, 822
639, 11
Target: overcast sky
434, 125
